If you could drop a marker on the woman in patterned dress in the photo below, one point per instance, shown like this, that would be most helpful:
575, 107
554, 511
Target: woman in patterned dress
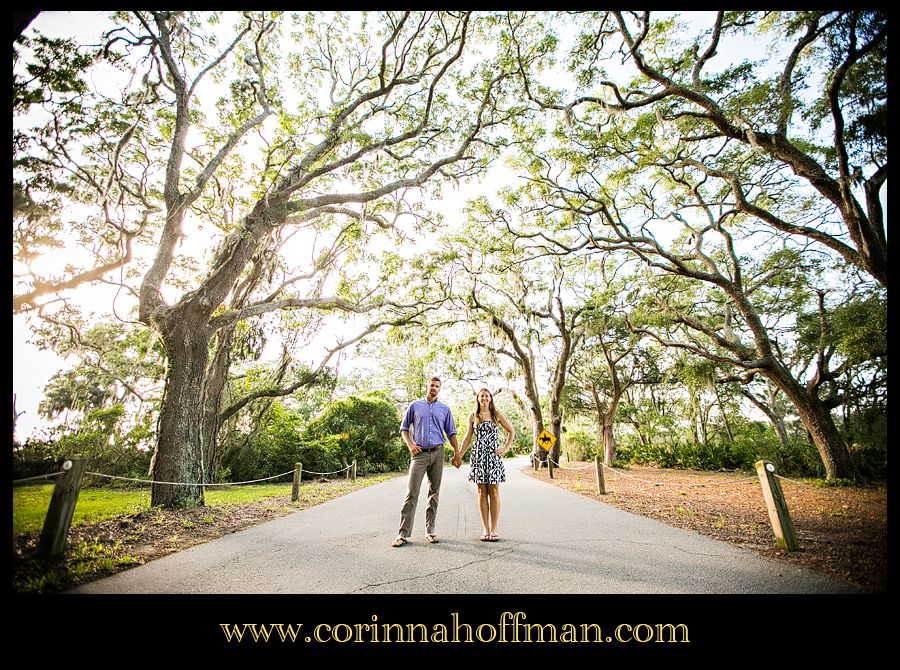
486, 464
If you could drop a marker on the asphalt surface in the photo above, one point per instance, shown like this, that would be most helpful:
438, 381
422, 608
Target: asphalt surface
548, 536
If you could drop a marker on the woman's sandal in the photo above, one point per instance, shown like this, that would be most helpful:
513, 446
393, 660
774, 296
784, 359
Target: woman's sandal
485, 537
494, 537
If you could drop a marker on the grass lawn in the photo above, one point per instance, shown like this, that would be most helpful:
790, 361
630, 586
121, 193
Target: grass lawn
30, 503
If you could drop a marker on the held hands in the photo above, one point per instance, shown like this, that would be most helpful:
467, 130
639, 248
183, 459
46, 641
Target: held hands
456, 460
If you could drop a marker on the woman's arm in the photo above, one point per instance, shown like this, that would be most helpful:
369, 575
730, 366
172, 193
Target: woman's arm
468, 438
510, 433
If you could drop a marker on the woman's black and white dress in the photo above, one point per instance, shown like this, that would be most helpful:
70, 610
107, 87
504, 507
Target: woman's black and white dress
486, 467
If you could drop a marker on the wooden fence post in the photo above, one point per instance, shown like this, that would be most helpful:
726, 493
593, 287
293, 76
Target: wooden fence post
601, 485
61, 509
779, 517
550, 465
298, 473
353, 471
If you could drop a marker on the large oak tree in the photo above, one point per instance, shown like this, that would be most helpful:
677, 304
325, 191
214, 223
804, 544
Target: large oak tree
405, 103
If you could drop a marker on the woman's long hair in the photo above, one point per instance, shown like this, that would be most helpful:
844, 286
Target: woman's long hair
490, 407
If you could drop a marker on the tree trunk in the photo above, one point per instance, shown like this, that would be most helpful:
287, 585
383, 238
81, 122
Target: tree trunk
606, 420
817, 420
600, 436
781, 429
776, 417
537, 427
724, 416
694, 433
16, 416
179, 451
537, 418
217, 376
769, 409
556, 428
609, 440
703, 417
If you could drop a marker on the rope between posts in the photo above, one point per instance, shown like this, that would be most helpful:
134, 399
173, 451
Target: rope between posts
29, 479
563, 467
153, 481
647, 481
327, 473
795, 481
828, 494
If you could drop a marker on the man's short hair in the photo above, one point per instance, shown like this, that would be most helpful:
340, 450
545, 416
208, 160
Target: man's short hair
435, 379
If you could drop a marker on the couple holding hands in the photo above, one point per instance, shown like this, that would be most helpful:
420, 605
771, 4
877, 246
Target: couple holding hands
424, 426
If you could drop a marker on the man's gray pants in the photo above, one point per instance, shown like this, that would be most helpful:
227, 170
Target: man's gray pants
430, 463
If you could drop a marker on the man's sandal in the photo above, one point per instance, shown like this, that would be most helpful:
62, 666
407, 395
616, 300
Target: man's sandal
431, 538
399, 542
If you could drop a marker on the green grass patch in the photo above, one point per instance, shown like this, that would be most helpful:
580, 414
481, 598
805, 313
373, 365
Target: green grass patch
246, 493
30, 503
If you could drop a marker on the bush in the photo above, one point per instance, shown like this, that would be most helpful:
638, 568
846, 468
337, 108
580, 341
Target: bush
867, 432
871, 460
35, 457
276, 448
798, 458
580, 445
97, 440
365, 428
713, 455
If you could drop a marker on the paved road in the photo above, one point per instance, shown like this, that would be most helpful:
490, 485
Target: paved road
548, 536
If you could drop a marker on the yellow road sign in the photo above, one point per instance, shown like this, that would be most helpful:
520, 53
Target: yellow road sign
546, 440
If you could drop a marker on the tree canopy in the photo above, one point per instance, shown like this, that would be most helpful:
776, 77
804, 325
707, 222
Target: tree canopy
680, 219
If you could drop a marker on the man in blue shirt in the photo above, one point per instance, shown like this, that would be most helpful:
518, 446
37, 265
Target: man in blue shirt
429, 421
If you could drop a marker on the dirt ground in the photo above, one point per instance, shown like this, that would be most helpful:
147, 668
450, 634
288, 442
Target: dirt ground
842, 531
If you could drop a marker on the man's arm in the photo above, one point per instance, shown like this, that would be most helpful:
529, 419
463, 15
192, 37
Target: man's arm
450, 430
457, 457
413, 448
404, 431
